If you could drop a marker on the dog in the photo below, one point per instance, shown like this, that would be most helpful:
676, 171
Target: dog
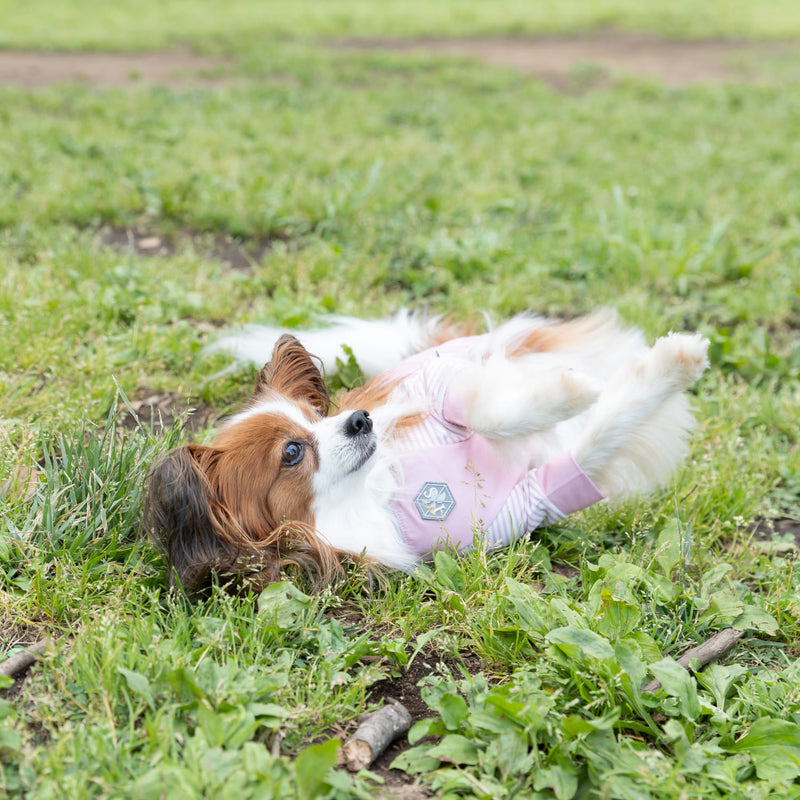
457, 437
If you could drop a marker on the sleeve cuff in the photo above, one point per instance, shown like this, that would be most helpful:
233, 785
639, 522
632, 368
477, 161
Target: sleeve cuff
566, 485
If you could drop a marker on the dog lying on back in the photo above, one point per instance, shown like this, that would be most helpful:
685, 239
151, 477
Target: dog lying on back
454, 434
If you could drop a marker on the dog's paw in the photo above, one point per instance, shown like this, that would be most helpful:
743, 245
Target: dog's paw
573, 392
680, 358
502, 401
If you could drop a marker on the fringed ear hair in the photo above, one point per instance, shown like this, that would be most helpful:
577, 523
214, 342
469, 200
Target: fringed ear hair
189, 523
293, 373
180, 518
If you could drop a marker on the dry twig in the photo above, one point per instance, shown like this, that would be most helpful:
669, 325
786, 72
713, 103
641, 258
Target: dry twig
719, 644
21, 661
275, 747
375, 733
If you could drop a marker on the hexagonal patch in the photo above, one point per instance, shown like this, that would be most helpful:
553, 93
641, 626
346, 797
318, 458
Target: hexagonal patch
434, 501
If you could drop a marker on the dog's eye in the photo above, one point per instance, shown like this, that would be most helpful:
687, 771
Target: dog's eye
293, 453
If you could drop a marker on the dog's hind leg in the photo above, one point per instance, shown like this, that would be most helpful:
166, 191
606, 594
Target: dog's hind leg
637, 433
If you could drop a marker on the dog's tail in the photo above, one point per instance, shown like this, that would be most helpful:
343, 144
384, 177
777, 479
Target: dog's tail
377, 345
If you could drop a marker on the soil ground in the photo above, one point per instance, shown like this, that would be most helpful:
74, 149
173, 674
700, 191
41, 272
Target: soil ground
554, 60
229, 251
171, 69
559, 61
158, 410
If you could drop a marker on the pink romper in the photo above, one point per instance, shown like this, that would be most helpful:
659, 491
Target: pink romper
455, 482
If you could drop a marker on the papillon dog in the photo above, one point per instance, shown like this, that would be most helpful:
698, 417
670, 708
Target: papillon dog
456, 438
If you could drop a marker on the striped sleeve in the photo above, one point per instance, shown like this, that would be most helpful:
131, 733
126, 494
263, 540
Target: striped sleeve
543, 496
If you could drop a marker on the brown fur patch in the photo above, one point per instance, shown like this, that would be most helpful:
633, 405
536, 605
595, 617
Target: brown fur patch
246, 472
560, 335
373, 394
447, 330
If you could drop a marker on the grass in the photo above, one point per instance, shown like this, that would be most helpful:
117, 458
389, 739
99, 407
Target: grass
145, 24
384, 180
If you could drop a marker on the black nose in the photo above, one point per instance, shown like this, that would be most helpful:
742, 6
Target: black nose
357, 423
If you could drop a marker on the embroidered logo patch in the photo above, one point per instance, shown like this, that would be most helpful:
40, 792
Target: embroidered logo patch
434, 501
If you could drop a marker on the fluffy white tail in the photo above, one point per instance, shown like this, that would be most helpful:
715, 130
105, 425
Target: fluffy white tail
376, 344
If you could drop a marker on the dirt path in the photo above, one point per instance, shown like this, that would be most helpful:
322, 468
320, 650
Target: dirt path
554, 60
675, 63
171, 69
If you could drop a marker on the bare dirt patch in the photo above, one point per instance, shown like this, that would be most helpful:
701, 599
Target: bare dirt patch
232, 252
783, 530
159, 410
172, 69
595, 59
15, 635
20, 485
397, 784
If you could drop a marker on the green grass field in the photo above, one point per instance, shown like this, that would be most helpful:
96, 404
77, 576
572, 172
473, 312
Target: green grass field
361, 181
144, 24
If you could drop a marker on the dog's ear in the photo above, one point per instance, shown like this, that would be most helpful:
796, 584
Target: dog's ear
293, 373
182, 518
189, 522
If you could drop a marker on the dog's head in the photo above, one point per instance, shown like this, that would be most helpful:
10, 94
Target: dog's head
244, 505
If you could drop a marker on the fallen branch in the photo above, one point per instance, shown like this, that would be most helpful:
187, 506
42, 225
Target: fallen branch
375, 733
19, 662
719, 644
